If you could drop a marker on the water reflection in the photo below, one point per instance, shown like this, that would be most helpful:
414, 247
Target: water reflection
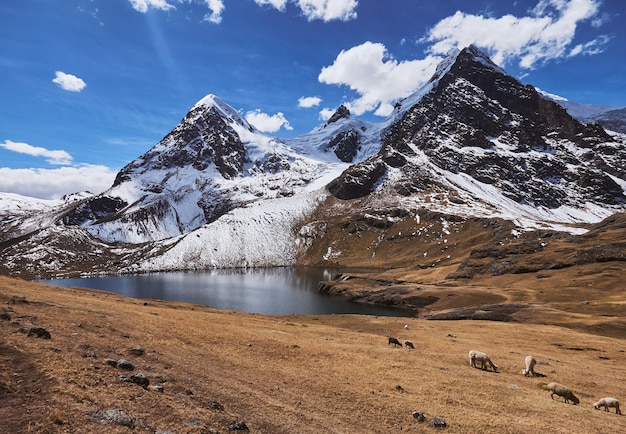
271, 291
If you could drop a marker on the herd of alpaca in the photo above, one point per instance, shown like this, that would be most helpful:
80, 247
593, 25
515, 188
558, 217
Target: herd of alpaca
480, 360
478, 357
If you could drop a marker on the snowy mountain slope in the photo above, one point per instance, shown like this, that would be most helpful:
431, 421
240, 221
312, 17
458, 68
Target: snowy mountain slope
611, 118
211, 163
473, 143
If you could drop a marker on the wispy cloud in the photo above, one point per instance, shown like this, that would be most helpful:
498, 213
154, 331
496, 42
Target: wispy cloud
278, 4
309, 101
56, 157
216, 7
69, 82
328, 10
144, 5
325, 10
268, 123
55, 183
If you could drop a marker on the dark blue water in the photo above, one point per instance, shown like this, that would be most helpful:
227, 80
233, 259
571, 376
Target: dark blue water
271, 291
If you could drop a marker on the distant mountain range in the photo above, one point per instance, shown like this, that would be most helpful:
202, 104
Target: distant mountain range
473, 143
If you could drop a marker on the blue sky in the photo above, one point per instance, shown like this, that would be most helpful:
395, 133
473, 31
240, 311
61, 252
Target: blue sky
89, 85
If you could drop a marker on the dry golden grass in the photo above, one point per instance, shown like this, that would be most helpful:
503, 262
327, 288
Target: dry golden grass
295, 374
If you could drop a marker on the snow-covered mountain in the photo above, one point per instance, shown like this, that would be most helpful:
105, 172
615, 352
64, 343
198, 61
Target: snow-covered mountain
215, 192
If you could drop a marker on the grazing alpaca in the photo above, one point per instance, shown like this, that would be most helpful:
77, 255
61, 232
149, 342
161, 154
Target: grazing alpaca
409, 344
562, 391
478, 357
530, 366
606, 403
394, 341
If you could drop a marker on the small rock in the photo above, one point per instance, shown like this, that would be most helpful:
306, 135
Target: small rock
125, 364
419, 416
5, 315
238, 426
156, 389
398, 387
437, 423
40, 332
110, 362
136, 351
18, 299
217, 406
114, 416
140, 379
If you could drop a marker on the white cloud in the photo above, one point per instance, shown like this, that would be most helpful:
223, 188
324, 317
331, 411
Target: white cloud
530, 40
309, 101
268, 123
144, 5
54, 183
278, 4
592, 47
546, 33
325, 10
326, 113
69, 82
376, 77
53, 157
328, 10
216, 7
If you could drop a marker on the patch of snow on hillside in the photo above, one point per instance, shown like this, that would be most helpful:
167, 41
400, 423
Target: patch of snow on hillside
258, 235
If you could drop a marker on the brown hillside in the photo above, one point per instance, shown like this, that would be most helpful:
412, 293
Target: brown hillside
311, 374
453, 268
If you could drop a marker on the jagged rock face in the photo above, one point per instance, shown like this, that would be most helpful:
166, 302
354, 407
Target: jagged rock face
203, 137
93, 209
481, 122
345, 145
341, 113
358, 180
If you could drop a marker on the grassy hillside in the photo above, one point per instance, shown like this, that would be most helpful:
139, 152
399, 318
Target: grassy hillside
312, 374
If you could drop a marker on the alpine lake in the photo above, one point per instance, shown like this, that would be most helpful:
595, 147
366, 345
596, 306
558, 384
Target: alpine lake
268, 291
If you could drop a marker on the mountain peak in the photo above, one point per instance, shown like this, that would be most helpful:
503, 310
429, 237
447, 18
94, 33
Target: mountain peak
227, 112
342, 112
475, 53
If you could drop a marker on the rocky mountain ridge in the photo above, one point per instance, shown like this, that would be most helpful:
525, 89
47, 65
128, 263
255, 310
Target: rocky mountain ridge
474, 142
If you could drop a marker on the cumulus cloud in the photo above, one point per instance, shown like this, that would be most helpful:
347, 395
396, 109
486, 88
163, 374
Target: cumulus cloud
58, 157
54, 183
69, 82
144, 5
377, 77
309, 101
268, 123
546, 34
